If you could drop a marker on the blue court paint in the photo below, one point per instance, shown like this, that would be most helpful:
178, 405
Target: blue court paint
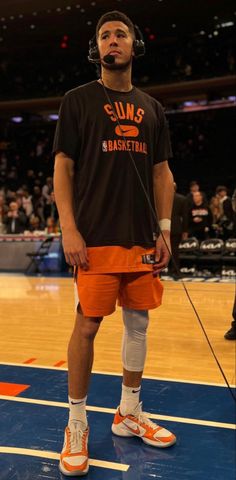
16, 467
201, 453
159, 396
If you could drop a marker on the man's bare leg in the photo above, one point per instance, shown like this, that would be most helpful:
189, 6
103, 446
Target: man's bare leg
74, 455
132, 379
80, 360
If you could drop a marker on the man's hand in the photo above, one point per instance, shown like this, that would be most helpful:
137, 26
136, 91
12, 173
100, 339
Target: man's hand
163, 252
74, 248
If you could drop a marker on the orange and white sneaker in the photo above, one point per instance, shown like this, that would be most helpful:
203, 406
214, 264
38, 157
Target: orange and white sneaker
74, 455
138, 424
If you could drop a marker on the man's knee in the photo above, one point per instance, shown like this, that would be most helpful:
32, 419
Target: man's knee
135, 321
134, 339
87, 326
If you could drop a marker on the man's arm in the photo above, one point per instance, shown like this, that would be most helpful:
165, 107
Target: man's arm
73, 243
163, 187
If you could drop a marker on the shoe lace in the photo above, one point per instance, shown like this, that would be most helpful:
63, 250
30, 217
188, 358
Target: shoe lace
143, 417
76, 438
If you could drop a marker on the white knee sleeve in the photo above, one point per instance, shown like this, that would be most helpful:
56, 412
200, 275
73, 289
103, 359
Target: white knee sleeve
134, 339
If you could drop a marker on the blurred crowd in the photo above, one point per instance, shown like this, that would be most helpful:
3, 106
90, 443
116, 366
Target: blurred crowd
29, 206
29, 209
27, 202
40, 75
32, 208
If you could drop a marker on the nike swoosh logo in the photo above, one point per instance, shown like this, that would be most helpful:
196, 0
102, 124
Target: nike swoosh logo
76, 403
134, 430
127, 130
136, 391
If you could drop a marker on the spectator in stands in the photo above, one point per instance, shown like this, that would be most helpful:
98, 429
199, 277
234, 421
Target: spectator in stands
226, 220
27, 202
38, 203
178, 228
3, 213
194, 187
47, 189
215, 208
216, 211
35, 224
199, 217
51, 226
50, 209
15, 220
19, 201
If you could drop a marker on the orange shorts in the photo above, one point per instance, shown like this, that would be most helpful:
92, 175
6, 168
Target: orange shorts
98, 293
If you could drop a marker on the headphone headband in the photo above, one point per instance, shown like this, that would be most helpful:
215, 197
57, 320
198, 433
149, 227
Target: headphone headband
138, 46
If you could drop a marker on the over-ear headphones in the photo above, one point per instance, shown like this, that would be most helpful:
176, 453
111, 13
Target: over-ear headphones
138, 46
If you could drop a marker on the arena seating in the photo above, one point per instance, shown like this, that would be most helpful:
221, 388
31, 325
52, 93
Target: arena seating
212, 255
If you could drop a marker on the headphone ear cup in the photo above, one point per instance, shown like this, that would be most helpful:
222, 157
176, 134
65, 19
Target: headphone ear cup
93, 55
139, 48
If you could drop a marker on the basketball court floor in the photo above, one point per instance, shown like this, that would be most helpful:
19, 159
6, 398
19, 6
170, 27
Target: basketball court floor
182, 389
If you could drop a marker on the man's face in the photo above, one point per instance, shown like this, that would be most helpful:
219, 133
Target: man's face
197, 198
222, 193
13, 207
115, 38
194, 188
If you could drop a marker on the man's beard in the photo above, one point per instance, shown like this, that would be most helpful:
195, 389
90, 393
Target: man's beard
117, 66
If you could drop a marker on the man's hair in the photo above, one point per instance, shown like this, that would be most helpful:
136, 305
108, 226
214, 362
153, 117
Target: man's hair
193, 182
220, 188
115, 15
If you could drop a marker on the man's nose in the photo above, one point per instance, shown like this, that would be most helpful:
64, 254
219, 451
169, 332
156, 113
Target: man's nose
113, 40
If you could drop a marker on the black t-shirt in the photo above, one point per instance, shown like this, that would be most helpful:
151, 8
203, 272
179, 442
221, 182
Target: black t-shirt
110, 206
199, 218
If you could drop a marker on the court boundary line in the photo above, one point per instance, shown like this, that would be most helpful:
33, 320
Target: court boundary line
112, 411
114, 374
123, 467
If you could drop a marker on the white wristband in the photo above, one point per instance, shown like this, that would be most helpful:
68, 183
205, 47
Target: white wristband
164, 224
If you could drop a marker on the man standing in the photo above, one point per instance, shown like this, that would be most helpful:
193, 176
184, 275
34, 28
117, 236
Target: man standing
231, 333
112, 145
227, 218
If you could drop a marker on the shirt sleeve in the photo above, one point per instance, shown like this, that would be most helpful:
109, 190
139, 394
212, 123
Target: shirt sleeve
66, 137
164, 150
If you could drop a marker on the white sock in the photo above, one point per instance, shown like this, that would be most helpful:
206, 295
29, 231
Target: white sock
129, 399
77, 411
